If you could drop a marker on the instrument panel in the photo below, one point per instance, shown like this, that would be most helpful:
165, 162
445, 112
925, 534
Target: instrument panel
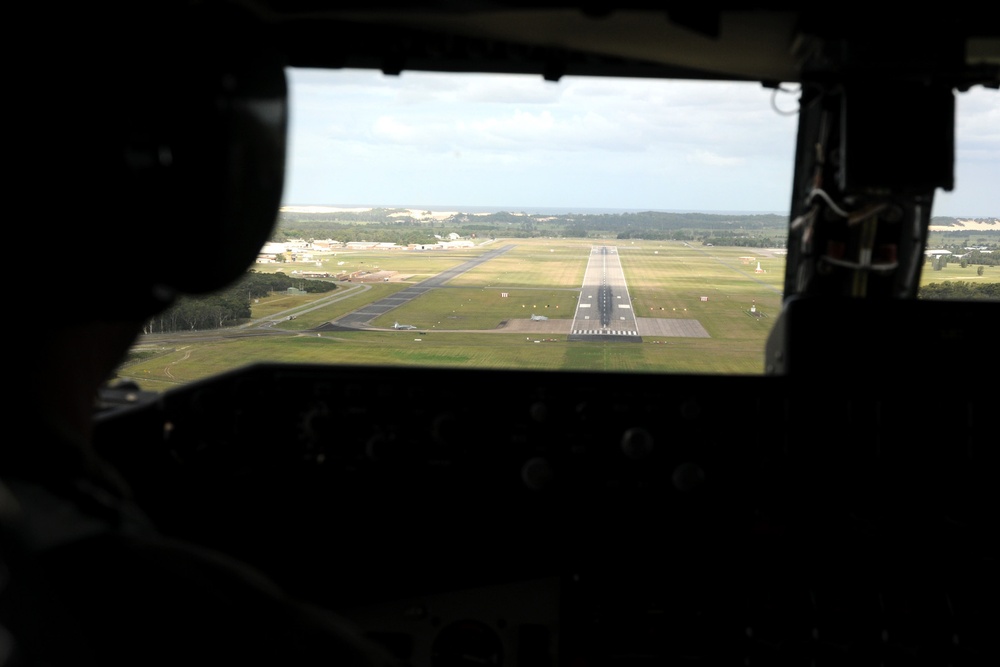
537, 518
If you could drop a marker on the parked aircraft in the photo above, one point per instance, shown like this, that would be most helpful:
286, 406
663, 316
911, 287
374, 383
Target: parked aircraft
397, 325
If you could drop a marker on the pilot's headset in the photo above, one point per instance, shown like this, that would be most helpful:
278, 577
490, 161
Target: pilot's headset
188, 107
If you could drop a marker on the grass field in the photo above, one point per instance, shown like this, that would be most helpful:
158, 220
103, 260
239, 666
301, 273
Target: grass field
467, 322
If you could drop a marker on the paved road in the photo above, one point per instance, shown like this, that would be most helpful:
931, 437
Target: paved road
360, 319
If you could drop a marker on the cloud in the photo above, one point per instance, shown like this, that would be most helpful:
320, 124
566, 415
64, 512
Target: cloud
712, 159
359, 136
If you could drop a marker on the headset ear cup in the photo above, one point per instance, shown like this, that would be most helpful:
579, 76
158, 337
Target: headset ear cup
228, 176
198, 101
160, 152
158, 155
219, 172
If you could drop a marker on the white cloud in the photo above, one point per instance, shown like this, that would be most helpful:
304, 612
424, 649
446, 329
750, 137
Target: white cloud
360, 137
715, 160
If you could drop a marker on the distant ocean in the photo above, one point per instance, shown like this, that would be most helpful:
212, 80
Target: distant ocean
540, 210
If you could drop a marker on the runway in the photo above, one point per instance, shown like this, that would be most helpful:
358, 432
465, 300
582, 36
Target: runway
605, 310
360, 319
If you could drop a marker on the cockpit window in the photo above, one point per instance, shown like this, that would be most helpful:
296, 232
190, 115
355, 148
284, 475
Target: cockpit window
506, 221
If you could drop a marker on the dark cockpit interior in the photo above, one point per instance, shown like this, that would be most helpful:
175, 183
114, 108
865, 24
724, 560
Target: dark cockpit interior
823, 513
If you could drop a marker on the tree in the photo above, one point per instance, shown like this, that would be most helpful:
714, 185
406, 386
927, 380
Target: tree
959, 290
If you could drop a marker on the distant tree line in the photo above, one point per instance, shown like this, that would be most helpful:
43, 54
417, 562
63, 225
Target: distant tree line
959, 238
229, 306
402, 233
657, 235
395, 225
382, 225
960, 291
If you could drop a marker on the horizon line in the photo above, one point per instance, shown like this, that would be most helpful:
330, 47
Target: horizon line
525, 209
565, 210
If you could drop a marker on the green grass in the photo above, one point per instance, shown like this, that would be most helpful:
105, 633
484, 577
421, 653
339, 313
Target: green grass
480, 308
955, 273
420, 264
458, 324
182, 364
532, 264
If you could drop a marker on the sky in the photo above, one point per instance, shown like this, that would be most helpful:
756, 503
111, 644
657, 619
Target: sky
520, 143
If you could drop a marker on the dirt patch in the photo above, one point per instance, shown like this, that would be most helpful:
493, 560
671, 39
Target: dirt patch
536, 326
375, 277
